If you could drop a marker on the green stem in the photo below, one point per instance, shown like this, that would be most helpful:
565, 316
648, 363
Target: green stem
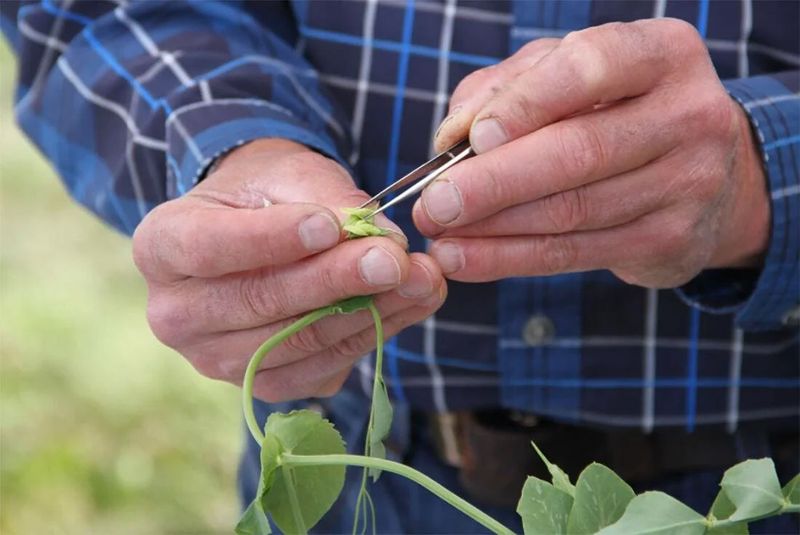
288, 476
258, 356
726, 522
407, 472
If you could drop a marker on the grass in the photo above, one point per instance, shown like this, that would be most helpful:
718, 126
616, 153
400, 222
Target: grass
103, 429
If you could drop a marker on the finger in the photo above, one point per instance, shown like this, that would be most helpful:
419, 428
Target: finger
189, 239
593, 66
475, 90
487, 259
300, 176
602, 204
305, 378
559, 157
197, 307
334, 384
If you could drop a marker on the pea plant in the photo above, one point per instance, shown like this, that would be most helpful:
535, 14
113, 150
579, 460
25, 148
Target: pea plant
303, 462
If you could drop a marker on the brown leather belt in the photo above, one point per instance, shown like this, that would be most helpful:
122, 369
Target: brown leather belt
493, 452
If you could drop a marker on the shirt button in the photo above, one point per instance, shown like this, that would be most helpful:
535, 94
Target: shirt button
538, 330
792, 317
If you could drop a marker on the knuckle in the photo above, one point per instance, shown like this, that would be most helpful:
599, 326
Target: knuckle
584, 58
675, 240
471, 83
168, 320
579, 150
680, 31
353, 347
332, 388
332, 282
271, 392
312, 339
263, 295
521, 112
557, 254
566, 210
718, 113
207, 366
493, 181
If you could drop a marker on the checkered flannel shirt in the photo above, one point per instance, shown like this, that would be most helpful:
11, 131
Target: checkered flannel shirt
131, 101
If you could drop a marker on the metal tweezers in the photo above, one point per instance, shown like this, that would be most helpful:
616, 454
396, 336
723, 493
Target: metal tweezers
423, 175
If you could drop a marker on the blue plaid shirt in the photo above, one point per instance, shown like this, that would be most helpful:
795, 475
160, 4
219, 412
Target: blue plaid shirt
131, 101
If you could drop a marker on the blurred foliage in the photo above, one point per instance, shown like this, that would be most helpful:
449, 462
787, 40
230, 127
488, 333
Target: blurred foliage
103, 429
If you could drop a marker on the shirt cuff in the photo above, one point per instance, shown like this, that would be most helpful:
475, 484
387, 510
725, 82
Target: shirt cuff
770, 298
198, 134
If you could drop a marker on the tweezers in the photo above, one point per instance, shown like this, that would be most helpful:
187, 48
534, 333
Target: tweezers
423, 175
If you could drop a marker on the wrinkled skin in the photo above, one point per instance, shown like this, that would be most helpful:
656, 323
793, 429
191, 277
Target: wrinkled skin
225, 271
614, 148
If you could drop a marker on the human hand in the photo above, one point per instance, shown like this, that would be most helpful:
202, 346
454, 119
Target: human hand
225, 270
614, 148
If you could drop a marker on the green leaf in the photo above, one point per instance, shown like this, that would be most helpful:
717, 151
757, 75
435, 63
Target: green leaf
792, 490
657, 513
753, 488
298, 497
543, 508
253, 521
600, 499
352, 304
380, 425
560, 478
361, 223
721, 509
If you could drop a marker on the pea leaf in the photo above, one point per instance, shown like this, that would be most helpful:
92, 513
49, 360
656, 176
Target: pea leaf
380, 424
543, 508
560, 478
657, 513
721, 509
600, 499
254, 520
361, 223
792, 490
753, 488
299, 496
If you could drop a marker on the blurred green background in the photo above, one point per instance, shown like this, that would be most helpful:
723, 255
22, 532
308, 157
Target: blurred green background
102, 429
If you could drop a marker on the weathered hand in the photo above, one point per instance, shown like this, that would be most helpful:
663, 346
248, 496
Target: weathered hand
614, 148
225, 270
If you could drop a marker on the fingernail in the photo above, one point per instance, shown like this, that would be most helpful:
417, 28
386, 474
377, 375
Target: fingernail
445, 121
379, 268
319, 232
487, 134
419, 283
442, 201
449, 255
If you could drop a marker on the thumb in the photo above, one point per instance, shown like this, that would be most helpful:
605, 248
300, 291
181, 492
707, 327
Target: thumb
279, 171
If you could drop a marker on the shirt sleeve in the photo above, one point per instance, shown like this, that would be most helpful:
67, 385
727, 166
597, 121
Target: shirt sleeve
131, 103
769, 298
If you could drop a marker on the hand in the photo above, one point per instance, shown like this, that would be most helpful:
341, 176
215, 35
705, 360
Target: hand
614, 148
226, 269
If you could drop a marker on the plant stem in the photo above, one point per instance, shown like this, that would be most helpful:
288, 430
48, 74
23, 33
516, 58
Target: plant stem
407, 472
258, 356
288, 477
